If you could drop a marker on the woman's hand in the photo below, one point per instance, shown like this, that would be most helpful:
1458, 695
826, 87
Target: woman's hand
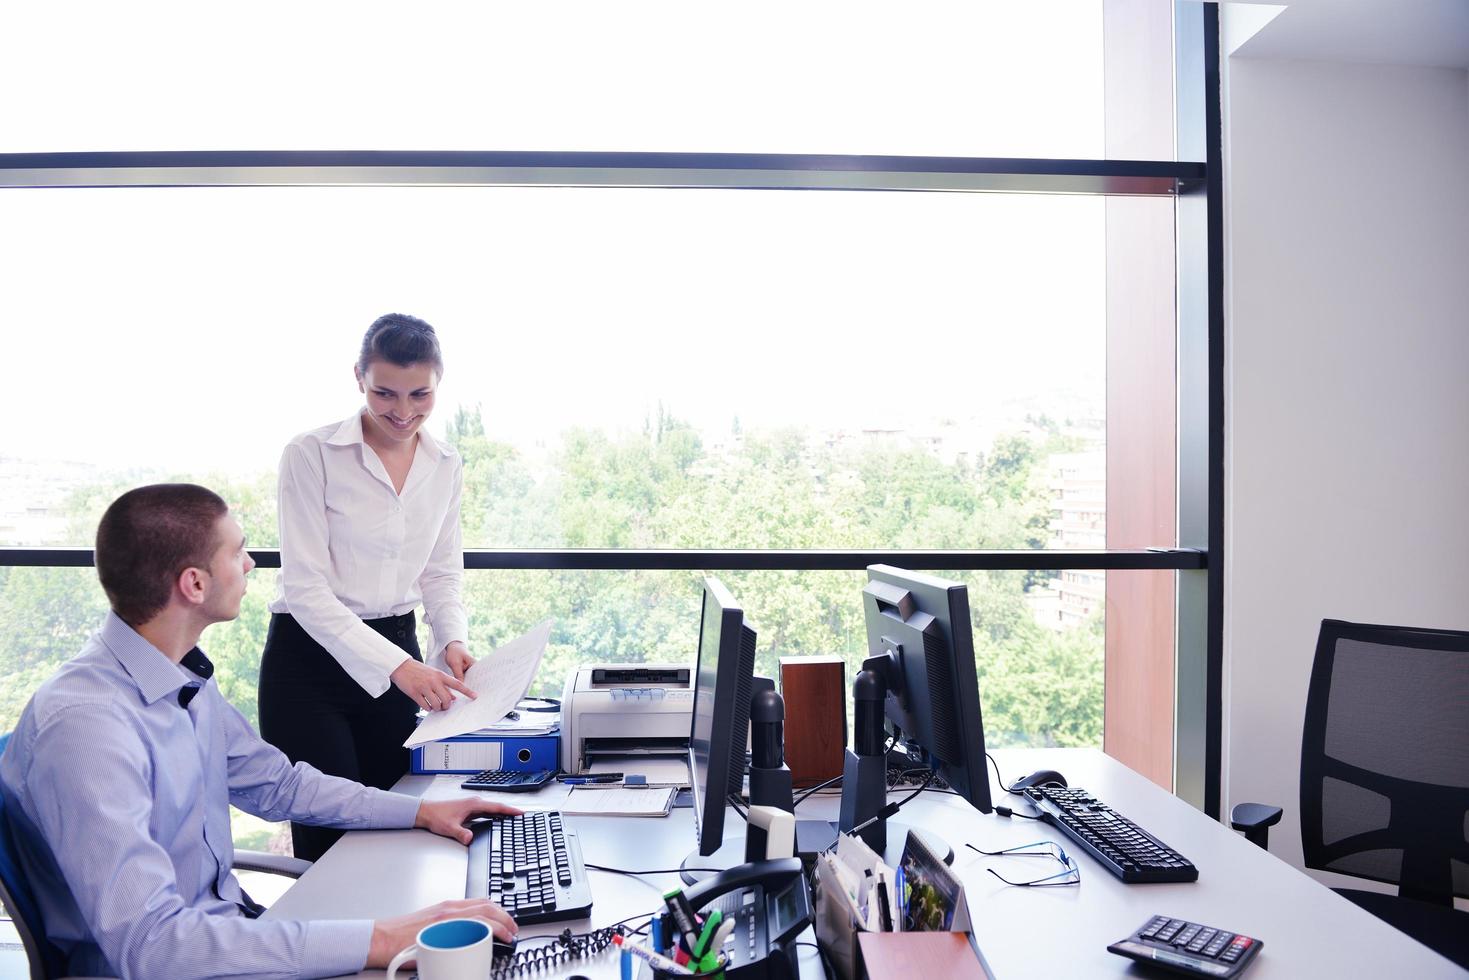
447, 817
456, 656
427, 687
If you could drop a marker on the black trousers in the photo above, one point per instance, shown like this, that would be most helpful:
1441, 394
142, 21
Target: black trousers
314, 712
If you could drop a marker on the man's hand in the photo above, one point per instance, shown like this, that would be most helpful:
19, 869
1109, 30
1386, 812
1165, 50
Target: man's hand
392, 936
456, 656
427, 687
447, 817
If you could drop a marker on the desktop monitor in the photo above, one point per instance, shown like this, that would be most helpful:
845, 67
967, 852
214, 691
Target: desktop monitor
721, 723
920, 626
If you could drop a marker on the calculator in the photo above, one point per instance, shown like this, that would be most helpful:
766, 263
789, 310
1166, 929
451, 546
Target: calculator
1189, 948
508, 780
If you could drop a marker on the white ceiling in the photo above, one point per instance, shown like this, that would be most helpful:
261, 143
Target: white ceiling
1431, 33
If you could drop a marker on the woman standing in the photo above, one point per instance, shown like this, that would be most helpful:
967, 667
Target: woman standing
369, 528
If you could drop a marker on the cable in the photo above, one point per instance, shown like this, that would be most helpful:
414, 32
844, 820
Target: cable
739, 806
655, 871
998, 778
891, 808
825, 962
813, 789
566, 946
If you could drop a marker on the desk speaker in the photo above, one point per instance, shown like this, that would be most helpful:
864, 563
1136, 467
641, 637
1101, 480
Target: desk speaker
815, 693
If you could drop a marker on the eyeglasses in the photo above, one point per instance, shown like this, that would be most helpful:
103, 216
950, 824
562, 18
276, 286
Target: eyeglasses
1043, 849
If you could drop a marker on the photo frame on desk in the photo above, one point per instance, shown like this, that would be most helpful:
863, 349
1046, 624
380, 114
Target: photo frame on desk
930, 895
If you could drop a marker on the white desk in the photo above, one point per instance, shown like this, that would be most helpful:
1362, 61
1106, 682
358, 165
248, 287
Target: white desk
1307, 929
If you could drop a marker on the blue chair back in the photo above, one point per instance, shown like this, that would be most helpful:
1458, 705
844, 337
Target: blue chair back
19, 900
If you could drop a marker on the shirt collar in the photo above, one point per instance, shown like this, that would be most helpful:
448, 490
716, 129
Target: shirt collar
154, 674
349, 433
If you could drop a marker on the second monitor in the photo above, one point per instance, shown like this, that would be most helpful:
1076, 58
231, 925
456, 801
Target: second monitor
919, 676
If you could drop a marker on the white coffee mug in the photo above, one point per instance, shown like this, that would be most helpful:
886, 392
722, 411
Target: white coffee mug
454, 949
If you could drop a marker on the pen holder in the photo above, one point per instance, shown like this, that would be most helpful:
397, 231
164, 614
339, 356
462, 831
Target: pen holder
717, 974
657, 974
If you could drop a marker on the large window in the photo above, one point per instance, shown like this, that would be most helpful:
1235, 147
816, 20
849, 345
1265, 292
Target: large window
774, 368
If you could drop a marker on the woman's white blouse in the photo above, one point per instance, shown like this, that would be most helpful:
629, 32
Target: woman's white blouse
353, 548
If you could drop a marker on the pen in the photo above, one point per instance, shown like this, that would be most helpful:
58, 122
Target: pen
601, 777
657, 960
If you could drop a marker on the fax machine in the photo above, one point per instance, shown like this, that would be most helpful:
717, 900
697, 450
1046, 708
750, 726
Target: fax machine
621, 710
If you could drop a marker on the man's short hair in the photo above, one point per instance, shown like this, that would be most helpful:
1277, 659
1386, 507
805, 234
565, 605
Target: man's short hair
147, 538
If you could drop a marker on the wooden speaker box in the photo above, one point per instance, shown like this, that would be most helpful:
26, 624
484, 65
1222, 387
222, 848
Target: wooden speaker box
815, 693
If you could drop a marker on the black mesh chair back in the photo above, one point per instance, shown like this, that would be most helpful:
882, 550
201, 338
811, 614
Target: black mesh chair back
1385, 758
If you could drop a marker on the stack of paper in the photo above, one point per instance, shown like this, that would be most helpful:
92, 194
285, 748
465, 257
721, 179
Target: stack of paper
619, 801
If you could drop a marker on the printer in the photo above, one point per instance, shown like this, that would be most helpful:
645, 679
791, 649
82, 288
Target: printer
617, 711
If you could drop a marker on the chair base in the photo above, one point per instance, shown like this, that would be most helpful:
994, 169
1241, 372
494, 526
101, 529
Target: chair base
1441, 928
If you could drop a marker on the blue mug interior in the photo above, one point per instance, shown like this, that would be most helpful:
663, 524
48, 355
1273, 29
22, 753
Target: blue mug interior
453, 934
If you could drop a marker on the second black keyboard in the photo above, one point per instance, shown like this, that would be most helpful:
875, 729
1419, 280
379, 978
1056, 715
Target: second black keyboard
531, 866
1123, 848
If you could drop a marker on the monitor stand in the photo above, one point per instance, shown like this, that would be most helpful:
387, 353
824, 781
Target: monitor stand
696, 867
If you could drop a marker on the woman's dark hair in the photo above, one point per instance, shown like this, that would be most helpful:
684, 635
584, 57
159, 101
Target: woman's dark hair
402, 340
146, 539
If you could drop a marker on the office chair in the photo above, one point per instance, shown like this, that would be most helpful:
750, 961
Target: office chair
1385, 775
20, 904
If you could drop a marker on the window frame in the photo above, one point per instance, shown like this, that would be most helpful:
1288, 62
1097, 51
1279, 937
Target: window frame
1195, 185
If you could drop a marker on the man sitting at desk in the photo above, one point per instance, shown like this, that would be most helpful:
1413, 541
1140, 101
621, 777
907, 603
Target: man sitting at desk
119, 777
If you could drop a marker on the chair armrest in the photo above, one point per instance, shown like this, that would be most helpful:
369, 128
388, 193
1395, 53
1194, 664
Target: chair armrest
1255, 820
276, 864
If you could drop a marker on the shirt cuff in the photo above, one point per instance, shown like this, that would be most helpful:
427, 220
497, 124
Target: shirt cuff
392, 811
453, 628
336, 946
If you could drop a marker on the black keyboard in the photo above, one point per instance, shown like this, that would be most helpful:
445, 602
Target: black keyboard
508, 780
1123, 848
530, 865
1187, 947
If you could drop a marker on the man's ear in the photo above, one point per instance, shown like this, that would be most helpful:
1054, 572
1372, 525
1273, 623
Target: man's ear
193, 585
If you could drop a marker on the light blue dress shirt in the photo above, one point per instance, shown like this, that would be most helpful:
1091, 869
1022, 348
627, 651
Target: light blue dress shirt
118, 782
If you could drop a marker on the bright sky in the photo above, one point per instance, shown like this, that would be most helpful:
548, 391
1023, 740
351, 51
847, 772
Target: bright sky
200, 328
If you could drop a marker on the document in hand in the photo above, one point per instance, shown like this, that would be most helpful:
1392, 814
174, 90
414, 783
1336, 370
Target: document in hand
500, 680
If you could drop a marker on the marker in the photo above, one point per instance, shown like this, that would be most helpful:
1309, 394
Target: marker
657, 960
655, 933
711, 924
683, 917
884, 910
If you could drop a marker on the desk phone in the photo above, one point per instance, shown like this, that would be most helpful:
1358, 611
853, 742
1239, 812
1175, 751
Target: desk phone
771, 906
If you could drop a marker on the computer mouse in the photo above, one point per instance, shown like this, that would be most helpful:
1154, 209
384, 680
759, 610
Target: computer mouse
503, 947
1040, 777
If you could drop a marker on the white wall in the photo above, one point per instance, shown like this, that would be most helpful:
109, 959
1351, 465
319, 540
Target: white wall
1347, 391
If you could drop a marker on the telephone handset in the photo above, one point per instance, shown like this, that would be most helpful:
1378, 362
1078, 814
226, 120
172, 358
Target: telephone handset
771, 905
